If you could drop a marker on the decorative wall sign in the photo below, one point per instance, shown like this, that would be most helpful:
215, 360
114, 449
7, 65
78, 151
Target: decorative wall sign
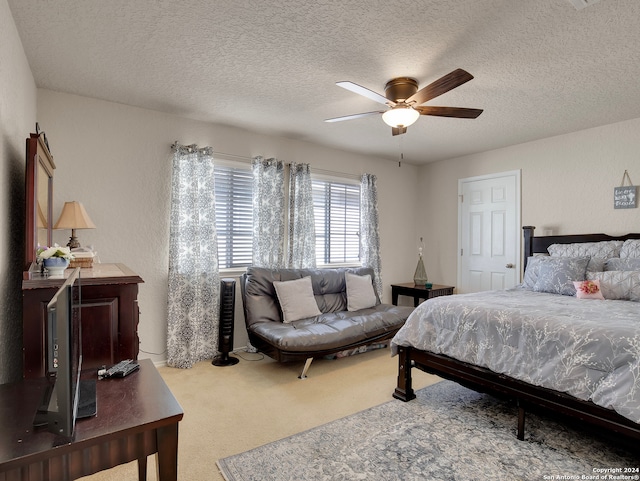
625, 196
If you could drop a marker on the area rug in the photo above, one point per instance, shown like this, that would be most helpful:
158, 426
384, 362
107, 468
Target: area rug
447, 433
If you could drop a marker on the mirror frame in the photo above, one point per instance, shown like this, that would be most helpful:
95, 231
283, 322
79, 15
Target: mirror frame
39, 163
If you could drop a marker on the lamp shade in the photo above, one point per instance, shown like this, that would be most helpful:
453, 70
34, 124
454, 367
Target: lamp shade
400, 116
74, 216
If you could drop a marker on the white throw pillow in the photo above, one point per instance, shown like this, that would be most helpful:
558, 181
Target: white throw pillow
618, 285
630, 249
603, 249
360, 293
296, 299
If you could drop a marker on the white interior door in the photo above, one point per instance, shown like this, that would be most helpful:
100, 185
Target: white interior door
489, 232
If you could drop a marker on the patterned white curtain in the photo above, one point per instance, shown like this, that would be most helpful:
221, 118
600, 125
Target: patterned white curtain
194, 279
369, 231
268, 212
302, 233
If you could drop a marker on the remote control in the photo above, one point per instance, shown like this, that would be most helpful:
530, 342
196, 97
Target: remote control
127, 369
122, 368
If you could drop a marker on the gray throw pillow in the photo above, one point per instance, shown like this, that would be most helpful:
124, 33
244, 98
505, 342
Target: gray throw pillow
557, 274
532, 272
626, 264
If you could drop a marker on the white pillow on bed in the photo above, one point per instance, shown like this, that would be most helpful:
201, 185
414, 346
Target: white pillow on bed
360, 293
296, 299
557, 274
618, 285
604, 249
630, 248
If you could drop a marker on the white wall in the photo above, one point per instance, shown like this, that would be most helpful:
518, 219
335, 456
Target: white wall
115, 159
17, 120
567, 186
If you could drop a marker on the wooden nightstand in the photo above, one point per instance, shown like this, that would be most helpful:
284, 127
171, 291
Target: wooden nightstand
418, 292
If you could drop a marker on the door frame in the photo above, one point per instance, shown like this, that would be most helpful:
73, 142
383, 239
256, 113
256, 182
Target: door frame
518, 208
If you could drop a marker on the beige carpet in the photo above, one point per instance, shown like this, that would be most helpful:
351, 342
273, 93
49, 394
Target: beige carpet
231, 409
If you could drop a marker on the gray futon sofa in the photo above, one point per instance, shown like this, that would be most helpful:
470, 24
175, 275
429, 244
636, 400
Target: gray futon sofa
334, 328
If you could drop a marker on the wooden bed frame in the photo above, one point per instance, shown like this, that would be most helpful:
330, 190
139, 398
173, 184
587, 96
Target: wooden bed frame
525, 395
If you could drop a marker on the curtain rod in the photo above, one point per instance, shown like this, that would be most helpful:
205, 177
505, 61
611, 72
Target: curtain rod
248, 160
241, 158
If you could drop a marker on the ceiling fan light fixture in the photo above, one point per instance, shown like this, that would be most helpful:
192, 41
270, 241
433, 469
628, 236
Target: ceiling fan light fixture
400, 116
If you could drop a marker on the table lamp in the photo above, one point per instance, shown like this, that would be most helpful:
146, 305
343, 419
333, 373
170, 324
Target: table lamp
74, 216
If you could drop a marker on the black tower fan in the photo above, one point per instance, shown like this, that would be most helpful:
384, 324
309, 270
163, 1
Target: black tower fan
227, 317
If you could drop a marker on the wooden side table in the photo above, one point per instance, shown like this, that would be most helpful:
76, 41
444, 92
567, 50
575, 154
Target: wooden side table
137, 416
418, 292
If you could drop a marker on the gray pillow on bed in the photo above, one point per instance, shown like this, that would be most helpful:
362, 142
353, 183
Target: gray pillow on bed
627, 264
557, 274
532, 272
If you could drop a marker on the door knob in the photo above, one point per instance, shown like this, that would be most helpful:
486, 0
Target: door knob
510, 265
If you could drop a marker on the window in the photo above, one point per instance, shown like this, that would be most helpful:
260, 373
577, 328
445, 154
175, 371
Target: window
336, 207
234, 215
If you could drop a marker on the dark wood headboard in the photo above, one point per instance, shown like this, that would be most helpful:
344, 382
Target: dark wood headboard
535, 245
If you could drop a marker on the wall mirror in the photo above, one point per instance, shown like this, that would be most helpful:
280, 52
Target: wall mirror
38, 196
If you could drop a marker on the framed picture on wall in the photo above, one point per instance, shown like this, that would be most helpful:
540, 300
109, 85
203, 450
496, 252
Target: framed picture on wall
625, 197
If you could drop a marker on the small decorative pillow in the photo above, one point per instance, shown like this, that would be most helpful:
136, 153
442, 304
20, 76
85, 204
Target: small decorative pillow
630, 248
588, 289
296, 299
604, 249
557, 274
626, 264
360, 293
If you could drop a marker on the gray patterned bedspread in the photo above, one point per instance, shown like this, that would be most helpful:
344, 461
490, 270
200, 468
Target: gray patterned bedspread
584, 347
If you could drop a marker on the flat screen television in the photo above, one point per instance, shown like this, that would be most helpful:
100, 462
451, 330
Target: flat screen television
67, 398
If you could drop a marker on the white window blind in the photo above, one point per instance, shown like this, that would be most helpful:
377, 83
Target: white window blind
234, 215
336, 207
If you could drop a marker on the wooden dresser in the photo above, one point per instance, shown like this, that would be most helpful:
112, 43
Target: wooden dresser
109, 316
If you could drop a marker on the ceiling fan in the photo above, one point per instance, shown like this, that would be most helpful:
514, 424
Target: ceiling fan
405, 100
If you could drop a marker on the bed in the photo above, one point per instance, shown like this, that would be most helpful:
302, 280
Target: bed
542, 344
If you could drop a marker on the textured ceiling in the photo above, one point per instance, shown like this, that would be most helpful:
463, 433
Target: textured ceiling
541, 67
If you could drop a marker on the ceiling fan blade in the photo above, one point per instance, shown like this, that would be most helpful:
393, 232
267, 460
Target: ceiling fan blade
365, 92
457, 112
354, 116
398, 130
442, 85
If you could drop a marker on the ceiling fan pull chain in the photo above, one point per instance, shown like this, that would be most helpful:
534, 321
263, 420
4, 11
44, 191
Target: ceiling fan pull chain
401, 158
